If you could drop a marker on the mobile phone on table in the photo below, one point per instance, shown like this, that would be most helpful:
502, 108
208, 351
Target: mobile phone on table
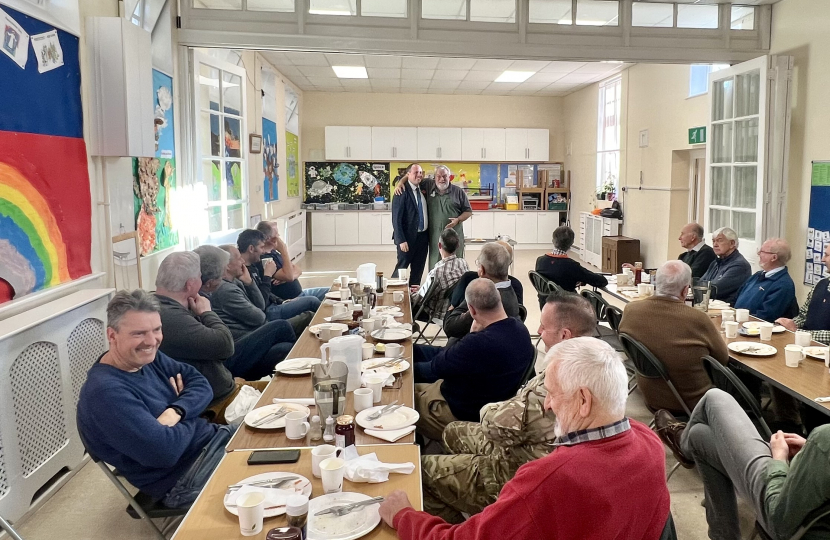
267, 457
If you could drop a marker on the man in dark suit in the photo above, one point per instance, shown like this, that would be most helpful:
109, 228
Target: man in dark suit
698, 255
409, 220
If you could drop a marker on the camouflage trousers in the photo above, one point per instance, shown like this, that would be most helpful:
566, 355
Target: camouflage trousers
468, 479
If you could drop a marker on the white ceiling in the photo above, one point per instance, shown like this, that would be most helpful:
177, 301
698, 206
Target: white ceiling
430, 75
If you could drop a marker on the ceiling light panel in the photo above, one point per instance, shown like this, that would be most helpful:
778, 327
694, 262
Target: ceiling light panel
350, 72
514, 76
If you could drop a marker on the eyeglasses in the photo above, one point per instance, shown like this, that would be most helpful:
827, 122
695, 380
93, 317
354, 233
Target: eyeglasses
759, 251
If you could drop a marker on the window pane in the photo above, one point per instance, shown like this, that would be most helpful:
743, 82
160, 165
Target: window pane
209, 134
746, 182
214, 219
551, 11
208, 88
747, 94
217, 4
212, 178
597, 12
718, 218
285, 6
333, 7
233, 144
746, 141
383, 8
697, 16
743, 18
744, 224
721, 187
231, 93
235, 217
722, 100
503, 11
655, 15
722, 143
698, 78
444, 9
233, 179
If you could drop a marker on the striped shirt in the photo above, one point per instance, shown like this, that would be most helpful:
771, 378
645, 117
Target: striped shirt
822, 336
447, 272
593, 434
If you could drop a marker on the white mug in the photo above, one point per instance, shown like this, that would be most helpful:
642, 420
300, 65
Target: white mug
339, 309
803, 338
368, 351
296, 426
375, 383
331, 472
363, 399
321, 453
344, 282
327, 332
731, 329
645, 289
397, 296
402, 273
741, 315
367, 324
766, 331
345, 294
727, 315
393, 350
250, 507
793, 355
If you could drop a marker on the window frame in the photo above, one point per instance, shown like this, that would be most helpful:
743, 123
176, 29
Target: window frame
605, 153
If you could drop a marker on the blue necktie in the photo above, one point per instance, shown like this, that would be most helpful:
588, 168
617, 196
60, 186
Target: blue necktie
420, 211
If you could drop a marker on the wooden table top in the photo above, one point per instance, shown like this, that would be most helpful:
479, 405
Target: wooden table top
208, 519
299, 386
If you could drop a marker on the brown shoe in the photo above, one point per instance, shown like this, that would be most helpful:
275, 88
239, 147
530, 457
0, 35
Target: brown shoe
670, 430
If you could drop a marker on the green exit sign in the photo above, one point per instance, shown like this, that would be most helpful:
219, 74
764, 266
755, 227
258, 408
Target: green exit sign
697, 135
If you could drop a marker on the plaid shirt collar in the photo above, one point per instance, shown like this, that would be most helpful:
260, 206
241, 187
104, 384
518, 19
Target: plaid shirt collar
555, 251
593, 434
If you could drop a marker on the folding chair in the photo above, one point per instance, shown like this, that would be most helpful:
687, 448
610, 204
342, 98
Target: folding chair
813, 518
608, 335
544, 287
531, 370
733, 386
432, 315
649, 366
6, 526
614, 315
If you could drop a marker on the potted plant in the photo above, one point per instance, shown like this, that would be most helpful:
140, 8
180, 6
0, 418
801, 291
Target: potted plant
607, 190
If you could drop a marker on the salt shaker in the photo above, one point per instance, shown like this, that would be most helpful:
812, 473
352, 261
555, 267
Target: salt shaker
328, 436
315, 431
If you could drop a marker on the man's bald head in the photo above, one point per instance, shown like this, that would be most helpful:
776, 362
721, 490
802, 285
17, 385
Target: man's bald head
482, 295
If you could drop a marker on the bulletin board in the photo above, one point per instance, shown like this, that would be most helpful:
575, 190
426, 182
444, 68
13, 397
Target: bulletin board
818, 224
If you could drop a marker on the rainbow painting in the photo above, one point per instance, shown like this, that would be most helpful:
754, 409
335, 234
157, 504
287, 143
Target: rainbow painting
45, 209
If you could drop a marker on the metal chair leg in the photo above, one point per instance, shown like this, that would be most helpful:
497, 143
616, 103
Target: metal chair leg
138, 510
6, 526
671, 472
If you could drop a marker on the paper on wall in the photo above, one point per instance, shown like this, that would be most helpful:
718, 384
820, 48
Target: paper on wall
48, 52
14, 41
816, 258
809, 243
809, 268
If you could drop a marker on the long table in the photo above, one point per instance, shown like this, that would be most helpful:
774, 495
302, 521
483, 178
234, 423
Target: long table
208, 519
299, 386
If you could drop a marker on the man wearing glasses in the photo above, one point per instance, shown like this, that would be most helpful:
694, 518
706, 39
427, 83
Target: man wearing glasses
770, 293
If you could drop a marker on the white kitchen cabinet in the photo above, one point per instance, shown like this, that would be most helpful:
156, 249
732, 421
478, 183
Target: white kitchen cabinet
504, 223
369, 228
591, 235
386, 229
394, 143
483, 225
439, 143
482, 144
348, 143
526, 224
546, 223
467, 226
322, 229
346, 228
527, 144
538, 144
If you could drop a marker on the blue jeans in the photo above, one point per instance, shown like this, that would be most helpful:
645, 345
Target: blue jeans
286, 310
317, 292
187, 488
256, 353
423, 355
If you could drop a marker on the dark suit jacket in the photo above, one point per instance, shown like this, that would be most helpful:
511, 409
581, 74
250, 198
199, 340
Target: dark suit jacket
700, 260
405, 217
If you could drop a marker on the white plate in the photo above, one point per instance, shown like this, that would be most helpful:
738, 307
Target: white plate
755, 348
400, 367
391, 334
390, 310
303, 487
777, 329
399, 419
349, 527
339, 318
333, 295
315, 328
396, 282
815, 352
279, 423
294, 366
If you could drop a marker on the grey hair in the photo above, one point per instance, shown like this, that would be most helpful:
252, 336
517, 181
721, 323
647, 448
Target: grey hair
563, 238
782, 249
125, 301
495, 259
482, 294
212, 261
228, 248
176, 269
698, 230
267, 228
672, 278
573, 312
728, 233
587, 362
443, 167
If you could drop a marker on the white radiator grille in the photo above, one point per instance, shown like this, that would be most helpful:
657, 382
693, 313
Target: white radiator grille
85, 344
4, 479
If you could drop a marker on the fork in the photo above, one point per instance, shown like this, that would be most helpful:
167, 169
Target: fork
383, 412
269, 484
276, 415
348, 508
375, 416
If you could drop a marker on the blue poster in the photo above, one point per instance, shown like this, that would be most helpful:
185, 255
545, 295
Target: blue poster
163, 115
270, 166
818, 223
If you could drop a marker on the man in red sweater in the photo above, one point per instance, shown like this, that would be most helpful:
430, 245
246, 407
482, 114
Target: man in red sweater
583, 489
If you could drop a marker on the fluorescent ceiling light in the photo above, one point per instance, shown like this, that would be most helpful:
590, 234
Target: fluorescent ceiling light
350, 72
515, 76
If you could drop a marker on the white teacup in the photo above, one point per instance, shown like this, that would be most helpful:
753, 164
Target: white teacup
645, 289
367, 324
727, 315
328, 331
731, 329
403, 273
397, 297
344, 282
368, 350
296, 426
393, 350
741, 315
363, 399
375, 383
339, 309
345, 294
321, 453
803, 338
251, 508
793, 355
766, 330
331, 472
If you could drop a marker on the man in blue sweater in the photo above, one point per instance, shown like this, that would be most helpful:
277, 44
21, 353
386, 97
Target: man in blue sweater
485, 366
730, 270
770, 293
139, 409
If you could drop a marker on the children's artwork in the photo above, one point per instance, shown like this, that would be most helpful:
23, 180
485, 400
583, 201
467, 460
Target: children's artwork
48, 51
818, 231
45, 209
270, 167
163, 115
292, 155
351, 182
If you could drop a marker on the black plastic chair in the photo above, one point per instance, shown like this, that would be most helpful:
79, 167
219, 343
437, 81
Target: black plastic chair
601, 307
544, 287
432, 315
669, 533
531, 370
813, 518
522, 313
614, 315
731, 384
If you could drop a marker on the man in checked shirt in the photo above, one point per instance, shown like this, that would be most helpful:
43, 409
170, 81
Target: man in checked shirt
446, 272
815, 313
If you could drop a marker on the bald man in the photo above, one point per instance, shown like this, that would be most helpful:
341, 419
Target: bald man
698, 255
770, 293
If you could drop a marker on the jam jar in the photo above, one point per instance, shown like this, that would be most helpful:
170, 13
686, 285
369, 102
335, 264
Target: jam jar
284, 533
344, 431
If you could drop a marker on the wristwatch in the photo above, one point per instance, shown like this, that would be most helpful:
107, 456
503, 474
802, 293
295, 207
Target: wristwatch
178, 410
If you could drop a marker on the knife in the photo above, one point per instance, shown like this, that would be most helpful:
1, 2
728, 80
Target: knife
344, 509
375, 416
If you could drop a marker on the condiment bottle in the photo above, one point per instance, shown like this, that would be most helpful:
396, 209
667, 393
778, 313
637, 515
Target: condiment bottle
284, 533
379, 284
328, 436
344, 432
315, 430
296, 510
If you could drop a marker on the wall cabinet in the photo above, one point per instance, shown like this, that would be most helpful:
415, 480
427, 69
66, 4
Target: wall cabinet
527, 144
546, 224
482, 144
394, 143
526, 225
322, 229
483, 225
439, 143
348, 143
346, 228
504, 223
369, 228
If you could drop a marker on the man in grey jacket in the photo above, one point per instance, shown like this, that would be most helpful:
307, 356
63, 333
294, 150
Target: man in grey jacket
730, 270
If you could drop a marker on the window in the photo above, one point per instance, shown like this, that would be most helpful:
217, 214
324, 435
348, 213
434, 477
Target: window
743, 18
697, 16
503, 11
217, 4
608, 134
551, 11
221, 142
383, 8
597, 12
332, 7
444, 9
652, 15
283, 6
699, 77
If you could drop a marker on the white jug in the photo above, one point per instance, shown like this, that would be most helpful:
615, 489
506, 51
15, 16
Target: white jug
349, 350
366, 273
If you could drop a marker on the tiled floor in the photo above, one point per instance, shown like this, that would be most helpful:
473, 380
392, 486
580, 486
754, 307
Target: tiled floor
89, 507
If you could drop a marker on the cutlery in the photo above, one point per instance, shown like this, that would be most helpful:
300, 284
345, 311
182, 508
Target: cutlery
274, 482
382, 413
387, 363
375, 416
347, 508
276, 415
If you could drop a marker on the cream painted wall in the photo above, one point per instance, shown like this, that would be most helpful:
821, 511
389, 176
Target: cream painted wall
432, 110
799, 30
